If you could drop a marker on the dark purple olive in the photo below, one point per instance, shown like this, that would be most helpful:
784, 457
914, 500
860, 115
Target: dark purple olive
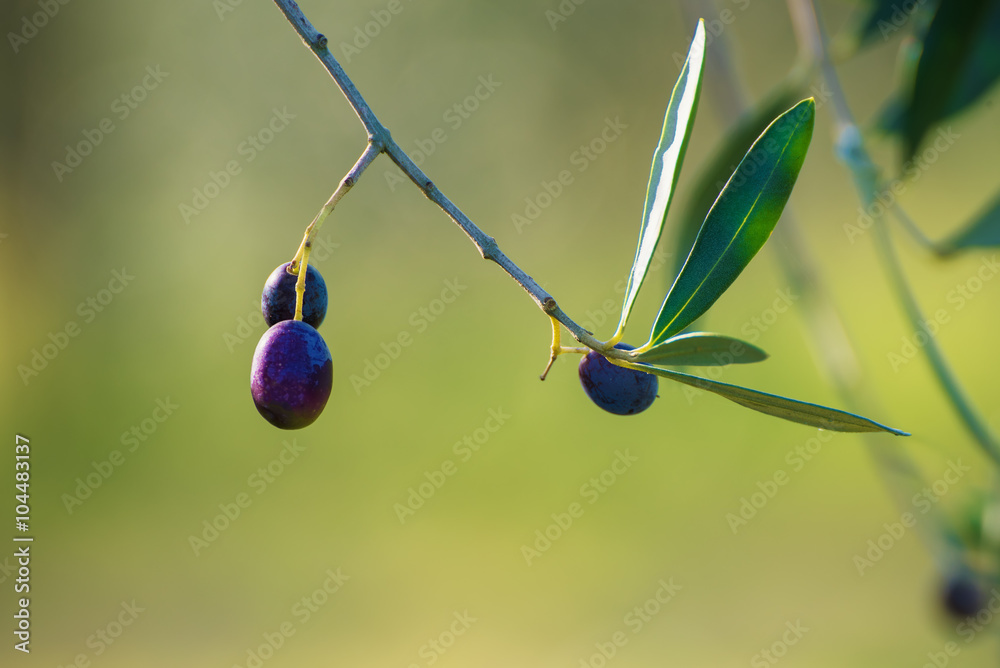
292, 375
962, 596
616, 389
277, 302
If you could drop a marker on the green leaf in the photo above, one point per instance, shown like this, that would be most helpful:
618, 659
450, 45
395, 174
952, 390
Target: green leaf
667, 159
982, 232
702, 349
878, 20
978, 74
771, 404
740, 221
947, 47
726, 156
982, 67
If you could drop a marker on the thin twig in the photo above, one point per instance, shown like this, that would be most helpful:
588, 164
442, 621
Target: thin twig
809, 31
381, 141
371, 152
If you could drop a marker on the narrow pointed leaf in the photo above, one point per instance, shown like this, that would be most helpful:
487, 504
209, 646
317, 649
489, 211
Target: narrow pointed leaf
702, 349
949, 43
982, 232
740, 221
977, 75
727, 154
667, 159
982, 68
878, 21
781, 407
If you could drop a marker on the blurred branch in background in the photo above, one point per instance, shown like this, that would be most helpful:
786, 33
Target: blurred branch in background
829, 340
813, 43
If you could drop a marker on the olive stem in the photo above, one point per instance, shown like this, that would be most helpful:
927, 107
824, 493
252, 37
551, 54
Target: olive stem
300, 282
371, 152
381, 141
812, 40
300, 263
556, 349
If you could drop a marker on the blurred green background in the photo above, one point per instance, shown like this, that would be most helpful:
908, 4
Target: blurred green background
183, 331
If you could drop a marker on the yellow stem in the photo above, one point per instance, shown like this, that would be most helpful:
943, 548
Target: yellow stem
300, 284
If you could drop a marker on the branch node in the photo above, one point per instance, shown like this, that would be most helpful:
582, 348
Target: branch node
549, 305
380, 138
321, 41
490, 250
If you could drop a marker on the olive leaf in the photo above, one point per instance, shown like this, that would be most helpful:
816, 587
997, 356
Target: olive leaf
740, 221
702, 349
878, 20
949, 48
982, 232
667, 159
792, 410
719, 167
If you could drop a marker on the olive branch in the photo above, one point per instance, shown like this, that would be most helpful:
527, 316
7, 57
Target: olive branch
738, 224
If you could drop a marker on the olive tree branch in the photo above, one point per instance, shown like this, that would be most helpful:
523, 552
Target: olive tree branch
381, 141
832, 346
812, 40
345, 185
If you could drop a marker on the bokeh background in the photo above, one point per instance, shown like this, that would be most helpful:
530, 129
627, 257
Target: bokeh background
183, 331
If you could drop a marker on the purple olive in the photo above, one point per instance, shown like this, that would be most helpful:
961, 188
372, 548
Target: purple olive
962, 596
616, 389
277, 302
292, 375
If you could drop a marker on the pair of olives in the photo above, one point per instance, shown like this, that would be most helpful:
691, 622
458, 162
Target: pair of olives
292, 371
